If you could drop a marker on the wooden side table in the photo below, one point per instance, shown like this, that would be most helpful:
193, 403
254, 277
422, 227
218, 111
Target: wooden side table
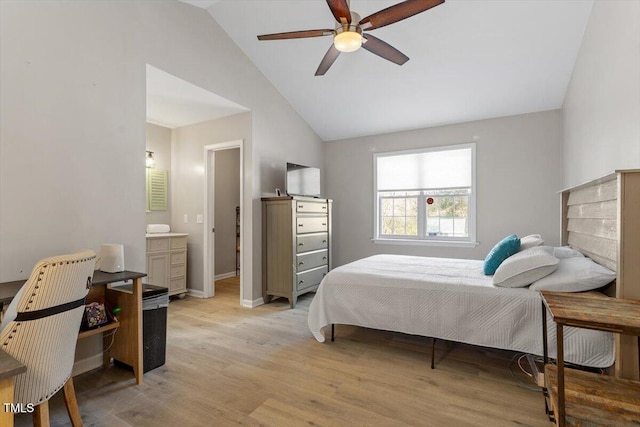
584, 398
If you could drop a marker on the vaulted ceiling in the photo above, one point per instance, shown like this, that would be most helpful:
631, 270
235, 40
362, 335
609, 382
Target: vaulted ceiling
469, 60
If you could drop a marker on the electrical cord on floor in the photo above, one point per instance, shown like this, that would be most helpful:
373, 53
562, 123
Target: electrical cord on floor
113, 337
540, 360
521, 356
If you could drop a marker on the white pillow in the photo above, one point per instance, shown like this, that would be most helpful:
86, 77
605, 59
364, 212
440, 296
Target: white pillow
566, 252
577, 274
526, 267
530, 241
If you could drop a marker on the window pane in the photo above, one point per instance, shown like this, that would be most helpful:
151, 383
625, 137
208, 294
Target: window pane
387, 225
399, 216
387, 207
399, 207
447, 216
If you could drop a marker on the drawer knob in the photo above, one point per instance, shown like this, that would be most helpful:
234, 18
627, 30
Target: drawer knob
324, 223
300, 244
300, 225
324, 258
301, 282
324, 241
301, 206
324, 207
324, 274
301, 263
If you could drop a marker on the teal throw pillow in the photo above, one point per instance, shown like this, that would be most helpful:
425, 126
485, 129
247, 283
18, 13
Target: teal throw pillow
506, 247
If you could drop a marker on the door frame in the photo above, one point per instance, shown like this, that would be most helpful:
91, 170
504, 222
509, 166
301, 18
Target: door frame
208, 253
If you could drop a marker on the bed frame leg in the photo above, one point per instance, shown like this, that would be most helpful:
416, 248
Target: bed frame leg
333, 329
433, 352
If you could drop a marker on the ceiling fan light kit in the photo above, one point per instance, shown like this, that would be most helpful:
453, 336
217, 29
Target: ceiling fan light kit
348, 41
349, 36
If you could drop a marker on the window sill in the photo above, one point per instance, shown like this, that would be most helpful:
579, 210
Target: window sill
450, 243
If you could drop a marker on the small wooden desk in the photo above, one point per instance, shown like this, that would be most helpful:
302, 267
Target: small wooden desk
579, 397
9, 368
127, 342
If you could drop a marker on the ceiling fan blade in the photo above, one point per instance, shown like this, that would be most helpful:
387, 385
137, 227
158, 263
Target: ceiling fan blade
397, 13
296, 35
328, 60
384, 50
340, 9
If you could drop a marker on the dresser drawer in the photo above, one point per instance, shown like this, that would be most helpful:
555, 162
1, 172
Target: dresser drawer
313, 224
178, 243
310, 278
311, 242
311, 207
307, 261
156, 245
178, 258
177, 271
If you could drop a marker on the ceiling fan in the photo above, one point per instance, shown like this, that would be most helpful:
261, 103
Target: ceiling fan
349, 33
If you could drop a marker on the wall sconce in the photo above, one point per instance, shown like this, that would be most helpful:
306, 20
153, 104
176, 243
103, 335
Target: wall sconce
150, 161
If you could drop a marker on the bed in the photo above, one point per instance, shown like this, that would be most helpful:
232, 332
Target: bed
452, 299
448, 299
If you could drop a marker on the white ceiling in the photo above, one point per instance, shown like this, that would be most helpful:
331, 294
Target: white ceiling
173, 102
470, 60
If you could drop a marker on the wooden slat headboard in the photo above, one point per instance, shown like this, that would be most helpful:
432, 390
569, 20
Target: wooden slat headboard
602, 220
591, 220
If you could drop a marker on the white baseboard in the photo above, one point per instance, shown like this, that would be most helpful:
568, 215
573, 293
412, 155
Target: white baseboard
251, 304
88, 364
225, 275
194, 293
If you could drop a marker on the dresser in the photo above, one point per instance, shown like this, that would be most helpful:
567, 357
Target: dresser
167, 261
296, 245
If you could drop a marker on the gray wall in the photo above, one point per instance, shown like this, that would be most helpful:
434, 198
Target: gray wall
159, 141
518, 174
188, 181
227, 197
601, 112
72, 129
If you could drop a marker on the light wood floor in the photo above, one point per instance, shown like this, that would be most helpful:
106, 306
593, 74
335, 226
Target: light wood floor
228, 365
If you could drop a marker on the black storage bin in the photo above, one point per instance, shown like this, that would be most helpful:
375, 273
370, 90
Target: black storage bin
155, 301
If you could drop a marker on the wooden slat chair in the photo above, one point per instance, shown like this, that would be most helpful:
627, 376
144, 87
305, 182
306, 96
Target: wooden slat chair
40, 329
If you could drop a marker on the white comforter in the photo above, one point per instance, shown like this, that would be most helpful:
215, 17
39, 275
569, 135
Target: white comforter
449, 299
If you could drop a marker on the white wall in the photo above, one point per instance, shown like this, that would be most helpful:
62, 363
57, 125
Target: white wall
518, 175
72, 138
601, 111
159, 141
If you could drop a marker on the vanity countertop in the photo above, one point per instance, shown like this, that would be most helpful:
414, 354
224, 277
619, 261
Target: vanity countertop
155, 235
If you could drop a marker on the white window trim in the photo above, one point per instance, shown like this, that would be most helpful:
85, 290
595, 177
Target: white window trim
454, 242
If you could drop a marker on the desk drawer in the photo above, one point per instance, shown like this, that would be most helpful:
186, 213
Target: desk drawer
158, 245
313, 224
310, 278
311, 260
311, 242
320, 207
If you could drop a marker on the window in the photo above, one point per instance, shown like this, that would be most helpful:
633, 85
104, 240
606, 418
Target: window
426, 195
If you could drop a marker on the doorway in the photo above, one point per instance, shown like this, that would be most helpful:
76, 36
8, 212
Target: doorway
223, 224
